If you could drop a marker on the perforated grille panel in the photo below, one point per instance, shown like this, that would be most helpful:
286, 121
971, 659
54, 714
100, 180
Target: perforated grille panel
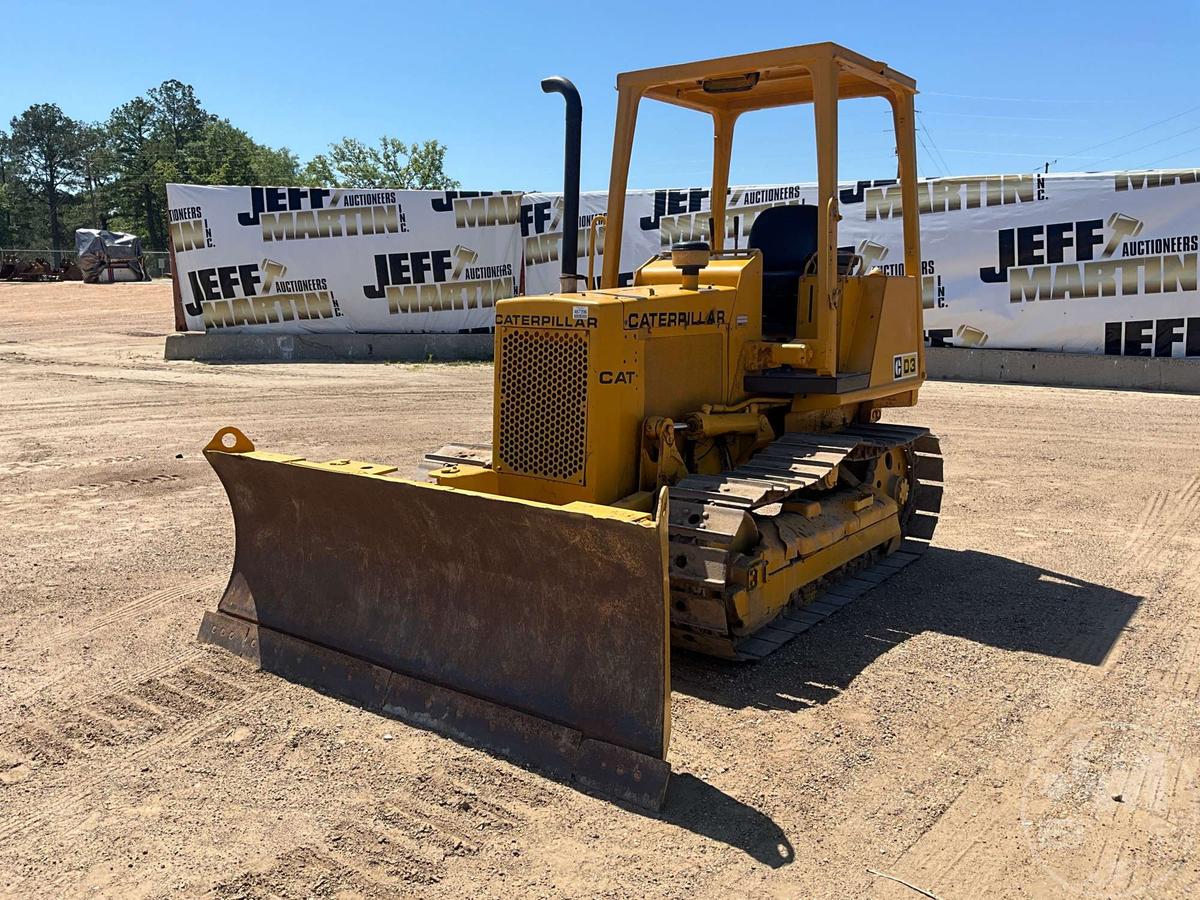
543, 403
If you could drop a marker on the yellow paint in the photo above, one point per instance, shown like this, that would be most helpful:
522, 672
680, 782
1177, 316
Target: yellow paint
660, 348
579, 375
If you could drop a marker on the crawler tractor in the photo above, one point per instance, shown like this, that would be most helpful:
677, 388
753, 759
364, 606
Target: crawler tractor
693, 458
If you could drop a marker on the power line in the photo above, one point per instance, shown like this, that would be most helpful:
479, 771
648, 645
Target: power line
1016, 134
921, 132
1174, 155
928, 153
938, 112
1135, 131
929, 134
1169, 137
1007, 99
1009, 153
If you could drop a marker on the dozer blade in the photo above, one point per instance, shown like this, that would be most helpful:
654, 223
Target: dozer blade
536, 631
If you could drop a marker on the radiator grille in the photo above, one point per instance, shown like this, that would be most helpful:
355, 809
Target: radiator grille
543, 403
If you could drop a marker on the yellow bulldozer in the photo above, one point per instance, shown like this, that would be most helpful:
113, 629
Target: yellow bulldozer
693, 459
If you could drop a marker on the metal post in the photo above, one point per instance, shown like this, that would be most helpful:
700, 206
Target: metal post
627, 104
825, 112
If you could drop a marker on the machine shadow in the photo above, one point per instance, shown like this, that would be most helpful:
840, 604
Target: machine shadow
699, 807
691, 803
978, 596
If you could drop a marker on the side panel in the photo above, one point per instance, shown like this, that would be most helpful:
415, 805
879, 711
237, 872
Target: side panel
886, 340
683, 373
741, 313
899, 336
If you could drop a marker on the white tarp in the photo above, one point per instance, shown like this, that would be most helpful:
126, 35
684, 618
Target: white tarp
318, 259
1086, 263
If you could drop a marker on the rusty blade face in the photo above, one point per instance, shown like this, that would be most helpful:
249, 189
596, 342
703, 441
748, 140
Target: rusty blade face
556, 613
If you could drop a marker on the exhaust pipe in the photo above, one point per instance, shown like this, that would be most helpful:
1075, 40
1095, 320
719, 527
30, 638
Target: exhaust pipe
569, 254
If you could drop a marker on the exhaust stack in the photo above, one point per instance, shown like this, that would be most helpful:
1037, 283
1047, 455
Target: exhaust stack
569, 253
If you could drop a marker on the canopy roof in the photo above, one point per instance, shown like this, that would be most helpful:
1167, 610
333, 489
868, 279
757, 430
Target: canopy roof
760, 80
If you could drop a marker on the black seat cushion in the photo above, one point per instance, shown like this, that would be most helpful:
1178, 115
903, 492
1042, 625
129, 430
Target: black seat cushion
787, 238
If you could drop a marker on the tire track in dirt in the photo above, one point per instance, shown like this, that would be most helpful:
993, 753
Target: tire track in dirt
58, 462
168, 716
1150, 510
1175, 675
134, 609
310, 872
1140, 790
404, 843
1176, 513
186, 701
147, 602
954, 851
27, 498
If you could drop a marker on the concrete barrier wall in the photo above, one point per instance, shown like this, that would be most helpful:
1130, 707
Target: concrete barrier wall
231, 348
1136, 373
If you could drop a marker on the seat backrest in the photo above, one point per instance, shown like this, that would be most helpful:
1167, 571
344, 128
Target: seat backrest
786, 236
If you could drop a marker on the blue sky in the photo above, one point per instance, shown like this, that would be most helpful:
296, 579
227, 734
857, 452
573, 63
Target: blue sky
1005, 87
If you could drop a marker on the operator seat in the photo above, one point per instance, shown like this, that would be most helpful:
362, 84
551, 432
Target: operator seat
787, 238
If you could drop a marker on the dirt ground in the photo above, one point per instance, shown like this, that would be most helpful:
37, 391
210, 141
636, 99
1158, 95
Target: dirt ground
1014, 715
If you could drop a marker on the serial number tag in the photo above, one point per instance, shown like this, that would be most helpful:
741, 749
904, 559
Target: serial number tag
904, 365
579, 313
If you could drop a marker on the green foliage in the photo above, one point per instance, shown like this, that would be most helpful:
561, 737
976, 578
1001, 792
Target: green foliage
222, 154
58, 174
46, 147
13, 197
132, 138
352, 164
98, 171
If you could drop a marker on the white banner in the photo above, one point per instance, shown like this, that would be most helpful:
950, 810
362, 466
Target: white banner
542, 229
1101, 263
1081, 263
319, 260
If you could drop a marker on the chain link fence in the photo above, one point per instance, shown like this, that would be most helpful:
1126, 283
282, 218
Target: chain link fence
157, 262
16, 260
